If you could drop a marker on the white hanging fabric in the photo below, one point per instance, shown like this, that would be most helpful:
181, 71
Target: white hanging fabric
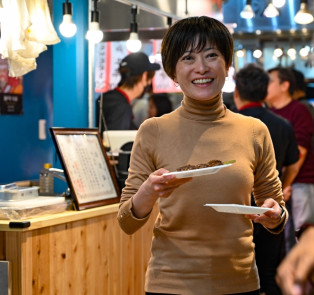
26, 29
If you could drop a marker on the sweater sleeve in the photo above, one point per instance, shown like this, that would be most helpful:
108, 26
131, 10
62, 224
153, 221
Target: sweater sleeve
266, 181
141, 166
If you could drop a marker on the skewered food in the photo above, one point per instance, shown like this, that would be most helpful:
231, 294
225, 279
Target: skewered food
211, 163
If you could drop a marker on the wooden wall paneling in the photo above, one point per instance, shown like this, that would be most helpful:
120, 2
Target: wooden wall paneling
94, 266
2, 246
138, 262
112, 240
77, 258
60, 265
105, 241
88, 256
126, 248
38, 245
13, 254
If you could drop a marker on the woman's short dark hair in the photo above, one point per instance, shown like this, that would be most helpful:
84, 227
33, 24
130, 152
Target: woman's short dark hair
194, 32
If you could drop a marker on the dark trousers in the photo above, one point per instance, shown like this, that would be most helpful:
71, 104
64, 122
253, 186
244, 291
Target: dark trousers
269, 251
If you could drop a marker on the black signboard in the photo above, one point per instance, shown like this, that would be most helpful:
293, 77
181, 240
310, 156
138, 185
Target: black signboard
11, 104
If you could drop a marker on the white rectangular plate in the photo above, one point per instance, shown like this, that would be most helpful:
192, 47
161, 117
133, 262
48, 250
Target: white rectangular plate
238, 209
197, 172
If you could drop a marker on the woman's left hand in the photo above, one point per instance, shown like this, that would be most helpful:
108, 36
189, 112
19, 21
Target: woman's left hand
270, 219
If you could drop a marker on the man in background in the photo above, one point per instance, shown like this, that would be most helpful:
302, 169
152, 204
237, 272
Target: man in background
279, 98
249, 95
114, 110
300, 94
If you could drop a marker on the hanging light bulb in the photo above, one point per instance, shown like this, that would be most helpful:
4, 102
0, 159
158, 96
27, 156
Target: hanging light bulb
240, 53
303, 16
67, 27
278, 52
94, 34
271, 10
133, 44
279, 3
257, 53
292, 53
247, 11
304, 51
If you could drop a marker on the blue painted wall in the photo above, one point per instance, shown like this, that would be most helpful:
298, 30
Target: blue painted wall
56, 91
70, 76
22, 154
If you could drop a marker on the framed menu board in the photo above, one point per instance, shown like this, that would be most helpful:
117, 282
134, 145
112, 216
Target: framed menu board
86, 166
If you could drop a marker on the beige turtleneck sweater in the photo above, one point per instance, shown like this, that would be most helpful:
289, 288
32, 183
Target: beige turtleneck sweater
196, 250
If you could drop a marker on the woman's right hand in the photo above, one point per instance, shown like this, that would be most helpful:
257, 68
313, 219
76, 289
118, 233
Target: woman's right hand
156, 186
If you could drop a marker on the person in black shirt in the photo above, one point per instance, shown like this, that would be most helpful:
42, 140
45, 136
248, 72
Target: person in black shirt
114, 111
250, 92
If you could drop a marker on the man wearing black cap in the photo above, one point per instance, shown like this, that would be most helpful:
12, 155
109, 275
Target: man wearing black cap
114, 109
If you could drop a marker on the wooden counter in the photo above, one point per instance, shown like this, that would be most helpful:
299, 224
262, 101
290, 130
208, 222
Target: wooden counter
77, 252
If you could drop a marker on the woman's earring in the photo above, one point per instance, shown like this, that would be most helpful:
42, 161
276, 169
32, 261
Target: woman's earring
176, 84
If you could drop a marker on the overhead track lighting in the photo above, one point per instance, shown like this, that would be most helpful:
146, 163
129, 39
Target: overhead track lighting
271, 10
133, 44
247, 11
67, 27
303, 16
94, 34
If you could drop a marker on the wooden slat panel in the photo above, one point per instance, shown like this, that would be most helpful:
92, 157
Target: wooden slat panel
89, 256
13, 244
77, 257
2, 246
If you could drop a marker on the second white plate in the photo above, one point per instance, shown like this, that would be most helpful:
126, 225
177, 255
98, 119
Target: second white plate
197, 172
238, 209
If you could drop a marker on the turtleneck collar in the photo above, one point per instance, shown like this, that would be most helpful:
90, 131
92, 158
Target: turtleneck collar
199, 110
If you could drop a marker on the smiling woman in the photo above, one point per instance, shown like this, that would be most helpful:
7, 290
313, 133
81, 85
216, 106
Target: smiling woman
194, 247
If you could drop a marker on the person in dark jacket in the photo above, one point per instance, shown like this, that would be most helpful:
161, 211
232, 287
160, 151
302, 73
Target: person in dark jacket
249, 95
114, 110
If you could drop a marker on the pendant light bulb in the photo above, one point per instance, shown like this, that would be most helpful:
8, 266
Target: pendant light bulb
133, 44
247, 11
67, 28
292, 53
257, 53
304, 52
94, 34
278, 52
279, 3
271, 10
303, 16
